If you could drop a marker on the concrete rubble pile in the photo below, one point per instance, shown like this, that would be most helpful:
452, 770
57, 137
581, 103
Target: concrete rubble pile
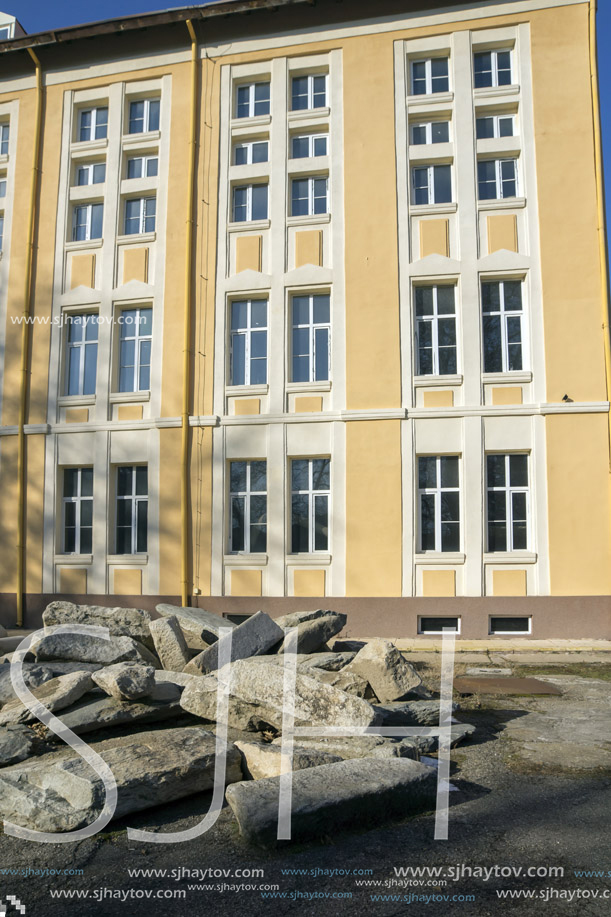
165, 692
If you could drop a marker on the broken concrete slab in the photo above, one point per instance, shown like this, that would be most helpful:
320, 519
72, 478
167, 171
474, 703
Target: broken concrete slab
349, 682
121, 622
359, 746
57, 794
170, 643
126, 680
33, 675
17, 743
253, 637
261, 760
411, 713
204, 625
489, 685
81, 648
388, 673
256, 695
295, 618
314, 633
331, 797
55, 694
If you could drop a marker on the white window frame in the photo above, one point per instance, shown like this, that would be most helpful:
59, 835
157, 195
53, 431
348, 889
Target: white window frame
251, 99
78, 499
498, 179
134, 499
5, 133
138, 339
312, 494
79, 346
248, 145
434, 320
492, 632
312, 327
310, 91
495, 65
94, 123
245, 496
88, 208
311, 138
431, 183
3, 185
145, 161
496, 131
143, 215
146, 120
440, 631
508, 489
428, 127
437, 493
504, 317
427, 61
248, 187
311, 199
89, 167
247, 333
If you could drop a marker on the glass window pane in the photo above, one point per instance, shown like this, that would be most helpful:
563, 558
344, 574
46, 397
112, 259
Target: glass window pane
91, 362
101, 123
449, 471
258, 313
97, 212
495, 466
124, 540
419, 77
124, 480
69, 537
321, 345
258, 539
237, 477
86, 539
503, 59
74, 368
259, 151
238, 314
136, 117
518, 470
258, 344
82, 175
299, 92
70, 514
141, 480
153, 124
320, 474
91, 322
445, 300
237, 522
241, 155
301, 341
439, 74
497, 505
320, 146
482, 67
134, 167
145, 322
299, 474
259, 202
258, 476
497, 536
424, 300
85, 125
70, 482
450, 506
450, 536
86, 512
301, 369
420, 178
427, 471
300, 201
419, 133
512, 295
484, 128
446, 332
258, 371
447, 361
301, 147
493, 353
240, 197
261, 99
258, 510
141, 525
518, 506
301, 310
238, 359
321, 522
506, 127
152, 166
491, 297
99, 172
319, 91
427, 522
442, 184
242, 101
86, 482
299, 523
320, 306
520, 536
440, 131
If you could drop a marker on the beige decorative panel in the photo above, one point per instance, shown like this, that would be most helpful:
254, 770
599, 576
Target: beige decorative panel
129, 412
444, 399
308, 248
77, 415
128, 582
509, 582
246, 582
309, 582
82, 271
248, 253
434, 238
135, 264
507, 395
502, 232
441, 583
308, 405
73, 580
245, 406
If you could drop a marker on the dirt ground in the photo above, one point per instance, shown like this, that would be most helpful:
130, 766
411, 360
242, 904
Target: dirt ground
533, 792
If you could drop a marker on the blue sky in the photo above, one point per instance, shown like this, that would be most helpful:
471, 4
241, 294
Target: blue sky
36, 15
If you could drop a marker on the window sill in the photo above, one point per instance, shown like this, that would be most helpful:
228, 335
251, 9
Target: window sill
245, 560
517, 376
249, 225
445, 98
440, 557
231, 390
83, 246
426, 381
421, 209
123, 397
132, 140
308, 560
139, 559
298, 387
255, 121
71, 401
86, 192
136, 237
88, 145
503, 203
80, 559
309, 220
485, 92
308, 114
511, 557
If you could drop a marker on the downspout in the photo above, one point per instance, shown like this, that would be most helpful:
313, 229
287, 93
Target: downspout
185, 591
25, 347
600, 201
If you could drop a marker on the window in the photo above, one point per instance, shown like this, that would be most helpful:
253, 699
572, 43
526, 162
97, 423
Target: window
489, 126
92, 173
140, 215
251, 151
1, 229
87, 222
135, 350
81, 353
3, 185
5, 33
248, 360
492, 68
309, 196
249, 203
435, 330
510, 625
78, 510
305, 146
308, 92
430, 76
142, 167
93, 124
439, 503
507, 488
311, 334
248, 501
132, 509
430, 132
4, 138
432, 184
252, 99
502, 325
497, 178
143, 116
436, 625
310, 487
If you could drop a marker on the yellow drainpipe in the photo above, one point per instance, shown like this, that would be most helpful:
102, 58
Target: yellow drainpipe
600, 200
25, 348
185, 591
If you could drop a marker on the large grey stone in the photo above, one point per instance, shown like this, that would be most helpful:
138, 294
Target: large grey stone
81, 648
106, 712
162, 677
349, 682
256, 696
260, 760
58, 793
331, 797
17, 743
170, 644
202, 624
54, 694
121, 622
411, 713
126, 680
295, 618
64, 668
315, 632
390, 676
33, 675
361, 746
254, 636
328, 662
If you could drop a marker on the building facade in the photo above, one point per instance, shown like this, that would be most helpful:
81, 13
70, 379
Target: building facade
300, 304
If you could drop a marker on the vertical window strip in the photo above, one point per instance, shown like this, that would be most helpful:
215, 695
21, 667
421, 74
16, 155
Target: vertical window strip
502, 325
248, 342
77, 500
311, 339
439, 503
310, 494
132, 509
248, 507
436, 329
507, 502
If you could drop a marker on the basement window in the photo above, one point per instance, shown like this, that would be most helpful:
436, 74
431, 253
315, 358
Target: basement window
436, 624
510, 625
